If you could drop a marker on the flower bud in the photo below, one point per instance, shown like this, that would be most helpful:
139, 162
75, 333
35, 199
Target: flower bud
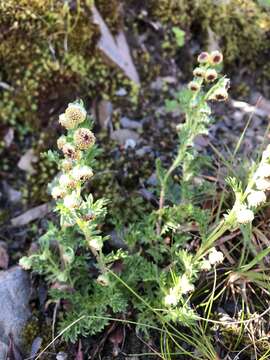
194, 86
25, 263
103, 280
61, 142
84, 138
203, 57
244, 216
75, 113
210, 75
256, 198
72, 201
205, 265
216, 57
199, 72
66, 165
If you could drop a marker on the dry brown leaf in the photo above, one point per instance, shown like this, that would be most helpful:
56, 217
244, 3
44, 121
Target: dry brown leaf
115, 49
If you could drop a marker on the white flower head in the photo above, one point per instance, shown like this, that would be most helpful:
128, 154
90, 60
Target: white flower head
72, 201
256, 198
210, 75
66, 164
67, 181
65, 122
82, 173
171, 299
75, 114
244, 215
58, 192
206, 265
263, 171
266, 153
215, 257
71, 152
262, 184
185, 285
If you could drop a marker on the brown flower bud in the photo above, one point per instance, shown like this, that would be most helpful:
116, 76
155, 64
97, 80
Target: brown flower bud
211, 75
216, 57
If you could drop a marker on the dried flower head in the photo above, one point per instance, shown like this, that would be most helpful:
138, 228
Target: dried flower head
72, 201
75, 113
215, 257
256, 198
58, 192
262, 184
216, 57
61, 142
211, 75
203, 57
82, 173
199, 72
219, 95
194, 86
84, 138
244, 216
71, 152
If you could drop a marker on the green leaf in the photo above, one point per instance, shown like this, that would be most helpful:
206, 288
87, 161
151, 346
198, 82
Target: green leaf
179, 36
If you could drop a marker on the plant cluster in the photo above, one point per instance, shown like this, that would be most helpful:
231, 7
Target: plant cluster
156, 276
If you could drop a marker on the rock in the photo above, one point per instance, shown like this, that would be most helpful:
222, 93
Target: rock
130, 124
3, 350
26, 161
13, 195
15, 296
122, 135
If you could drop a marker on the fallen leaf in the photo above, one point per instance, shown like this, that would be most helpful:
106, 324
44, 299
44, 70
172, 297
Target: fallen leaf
115, 49
25, 162
31, 215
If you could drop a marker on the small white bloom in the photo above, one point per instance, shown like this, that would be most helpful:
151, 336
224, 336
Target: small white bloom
185, 285
66, 181
256, 198
215, 257
82, 173
262, 184
263, 171
72, 201
266, 153
244, 215
58, 192
171, 299
205, 265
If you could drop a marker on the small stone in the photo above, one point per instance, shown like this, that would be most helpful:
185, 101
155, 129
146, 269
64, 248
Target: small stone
122, 135
15, 295
130, 124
